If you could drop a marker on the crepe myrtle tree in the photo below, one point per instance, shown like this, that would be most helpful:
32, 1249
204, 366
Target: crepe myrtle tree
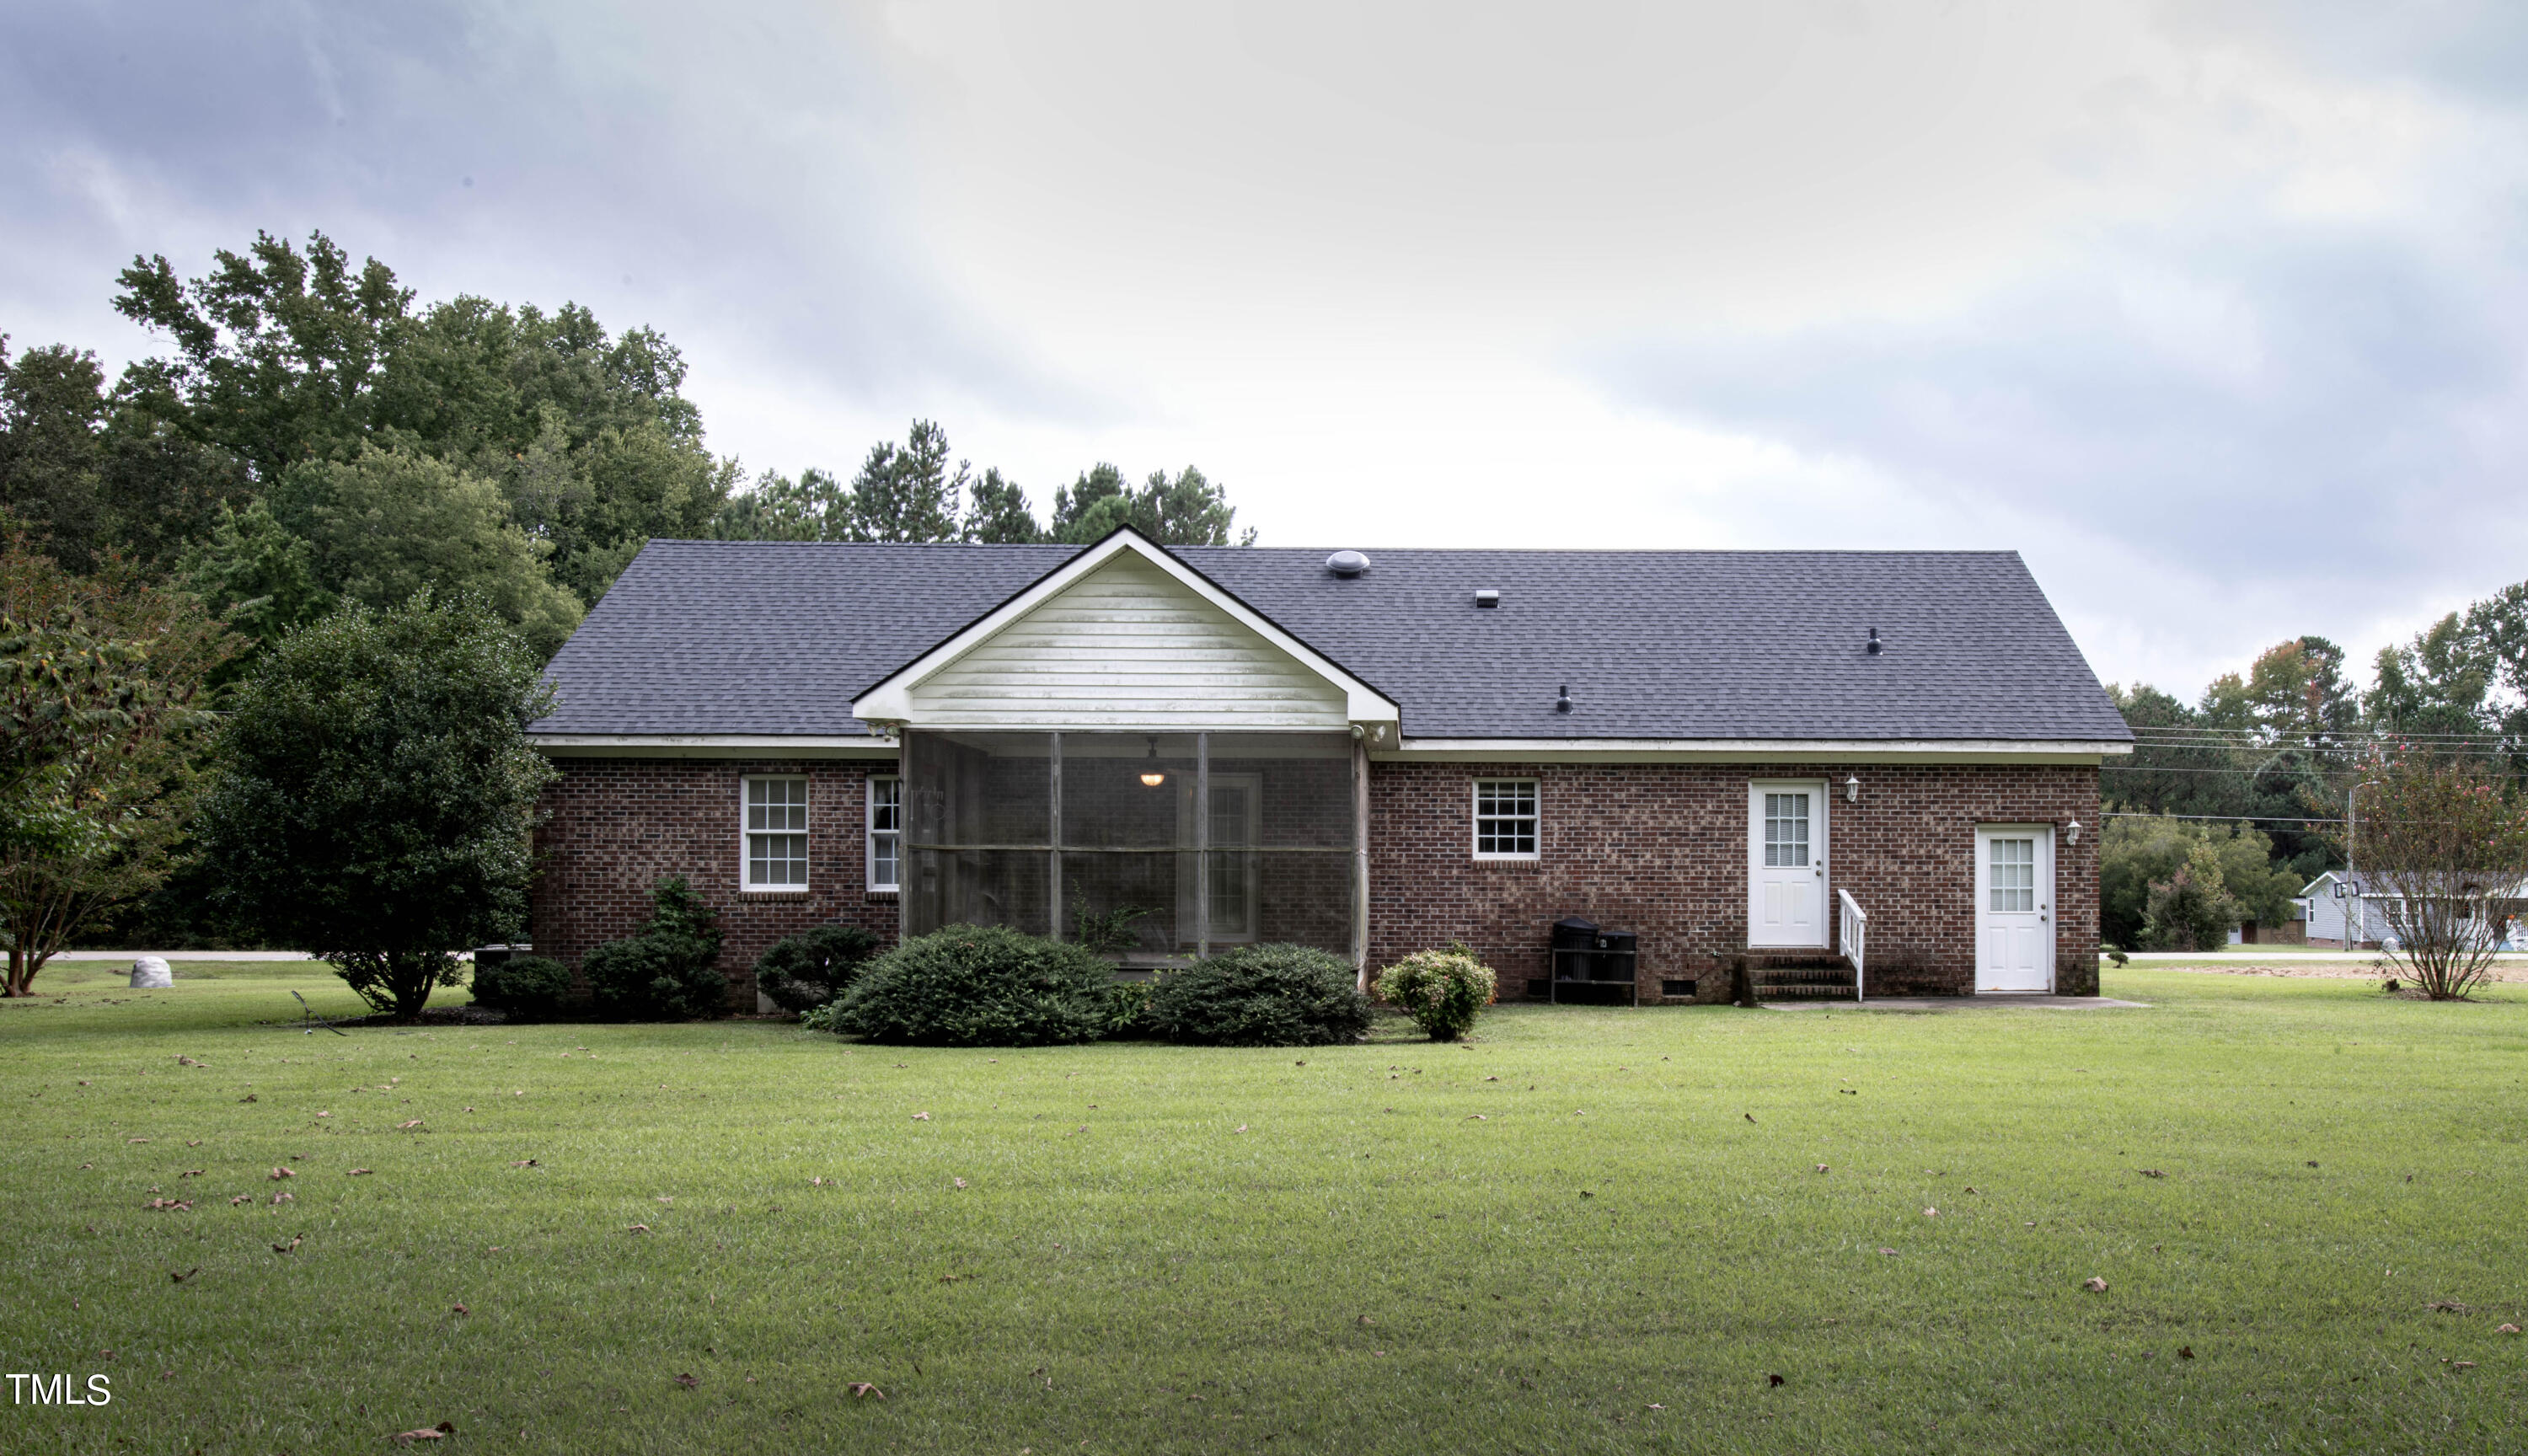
379, 796
2442, 842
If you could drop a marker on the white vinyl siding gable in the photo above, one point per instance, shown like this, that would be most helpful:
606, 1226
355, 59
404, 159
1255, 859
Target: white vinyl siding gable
1127, 646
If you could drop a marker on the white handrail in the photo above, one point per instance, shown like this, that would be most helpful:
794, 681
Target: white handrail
1853, 938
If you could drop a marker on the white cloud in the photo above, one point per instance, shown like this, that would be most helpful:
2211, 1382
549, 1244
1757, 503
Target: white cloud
2211, 309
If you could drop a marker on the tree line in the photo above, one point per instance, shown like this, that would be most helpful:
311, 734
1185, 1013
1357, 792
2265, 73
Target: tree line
314, 456
2248, 788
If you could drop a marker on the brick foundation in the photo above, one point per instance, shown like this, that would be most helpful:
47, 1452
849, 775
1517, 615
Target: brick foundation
617, 826
1658, 849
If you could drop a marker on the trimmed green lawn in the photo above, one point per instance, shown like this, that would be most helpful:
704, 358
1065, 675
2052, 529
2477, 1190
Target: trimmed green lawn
1592, 1231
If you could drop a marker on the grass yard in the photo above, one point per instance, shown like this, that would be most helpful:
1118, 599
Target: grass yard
1615, 1246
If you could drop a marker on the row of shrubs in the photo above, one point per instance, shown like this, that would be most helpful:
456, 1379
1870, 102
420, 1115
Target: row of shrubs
977, 985
989, 986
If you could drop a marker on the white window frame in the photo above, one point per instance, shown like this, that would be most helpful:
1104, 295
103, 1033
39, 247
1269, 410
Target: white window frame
1476, 816
746, 833
871, 833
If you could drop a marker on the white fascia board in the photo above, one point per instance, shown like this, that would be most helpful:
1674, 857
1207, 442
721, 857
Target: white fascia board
891, 701
709, 746
1748, 751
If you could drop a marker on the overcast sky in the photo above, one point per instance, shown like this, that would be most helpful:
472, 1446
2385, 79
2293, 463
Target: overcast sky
2215, 311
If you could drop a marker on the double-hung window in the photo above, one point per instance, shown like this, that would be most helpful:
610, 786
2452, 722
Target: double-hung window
886, 832
1505, 818
776, 833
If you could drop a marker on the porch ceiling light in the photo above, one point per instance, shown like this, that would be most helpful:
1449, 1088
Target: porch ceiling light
1154, 776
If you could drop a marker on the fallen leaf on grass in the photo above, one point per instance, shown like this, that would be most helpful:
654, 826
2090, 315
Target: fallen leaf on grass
284, 1196
922, 1116
957, 1182
192, 1142
1931, 1213
638, 1228
1889, 1252
1585, 1193
1478, 1118
279, 1173
407, 1126
186, 1275
296, 1240
2312, 1163
2507, 1329
240, 1198
1773, 1380
324, 1115
2150, 1172
2448, 1307
360, 1172
1820, 1167
169, 1204
461, 1309
2094, 1285
470, 1110
1487, 1079
2461, 1365
1750, 1117
666, 1199
1654, 1406
440, 1432
135, 1139
190, 1172
249, 1096
1240, 1127
526, 1163
688, 1381
862, 1390
2184, 1352
187, 1062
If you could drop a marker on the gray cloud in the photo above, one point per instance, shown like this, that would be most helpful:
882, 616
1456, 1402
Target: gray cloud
727, 175
2328, 410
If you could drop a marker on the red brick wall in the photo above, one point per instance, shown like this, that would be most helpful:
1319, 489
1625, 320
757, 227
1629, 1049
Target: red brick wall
1662, 849
619, 825
1655, 849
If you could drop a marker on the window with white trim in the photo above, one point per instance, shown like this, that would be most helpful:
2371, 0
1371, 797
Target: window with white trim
776, 834
1505, 818
885, 831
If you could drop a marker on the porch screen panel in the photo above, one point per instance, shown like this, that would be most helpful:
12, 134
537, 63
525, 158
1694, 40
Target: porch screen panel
1267, 855
978, 826
1282, 839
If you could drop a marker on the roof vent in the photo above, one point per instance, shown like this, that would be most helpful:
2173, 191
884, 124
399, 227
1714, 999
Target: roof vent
1872, 645
1347, 564
1487, 597
1563, 704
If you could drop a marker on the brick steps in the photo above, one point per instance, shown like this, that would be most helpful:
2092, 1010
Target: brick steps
1803, 976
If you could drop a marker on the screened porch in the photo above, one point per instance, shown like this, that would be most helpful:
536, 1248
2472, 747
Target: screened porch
1188, 843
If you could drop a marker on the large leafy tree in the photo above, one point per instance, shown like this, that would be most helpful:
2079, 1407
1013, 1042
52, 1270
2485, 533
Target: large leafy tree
1185, 509
379, 798
100, 733
88, 472
292, 359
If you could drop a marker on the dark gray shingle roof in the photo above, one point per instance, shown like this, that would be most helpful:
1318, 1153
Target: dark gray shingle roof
777, 638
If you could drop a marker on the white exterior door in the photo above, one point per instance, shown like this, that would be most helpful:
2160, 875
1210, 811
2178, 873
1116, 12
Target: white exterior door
2015, 909
1786, 864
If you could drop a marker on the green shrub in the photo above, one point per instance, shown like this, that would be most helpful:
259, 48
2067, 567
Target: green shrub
1261, 996
524, 986
806, 970
978, 986
669, 971
1127, 1007
1443, 991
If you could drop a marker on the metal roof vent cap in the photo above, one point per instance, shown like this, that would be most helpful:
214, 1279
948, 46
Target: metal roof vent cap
1487, 597
1872, 647
1347, 564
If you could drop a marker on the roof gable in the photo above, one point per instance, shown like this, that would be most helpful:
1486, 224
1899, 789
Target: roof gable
1125, 636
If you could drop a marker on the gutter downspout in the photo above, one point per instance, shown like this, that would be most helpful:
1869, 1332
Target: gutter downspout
1360, 858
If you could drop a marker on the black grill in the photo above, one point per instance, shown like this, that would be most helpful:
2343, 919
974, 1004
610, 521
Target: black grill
1592, 964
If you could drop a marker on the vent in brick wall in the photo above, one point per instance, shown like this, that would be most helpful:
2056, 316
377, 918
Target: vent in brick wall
1676, 988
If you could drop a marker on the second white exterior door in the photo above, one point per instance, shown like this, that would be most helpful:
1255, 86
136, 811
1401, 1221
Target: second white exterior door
1786, 864
2015, 909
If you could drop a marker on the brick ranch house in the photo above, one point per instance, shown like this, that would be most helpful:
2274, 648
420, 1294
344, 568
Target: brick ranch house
1789, 760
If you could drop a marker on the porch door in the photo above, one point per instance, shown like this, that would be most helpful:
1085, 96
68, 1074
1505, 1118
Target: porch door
2014, 909
1237, 811
1786, 860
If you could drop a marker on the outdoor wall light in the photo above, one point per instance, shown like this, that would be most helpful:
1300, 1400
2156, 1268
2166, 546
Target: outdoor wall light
2071, 832
1154, 776
1851, 788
